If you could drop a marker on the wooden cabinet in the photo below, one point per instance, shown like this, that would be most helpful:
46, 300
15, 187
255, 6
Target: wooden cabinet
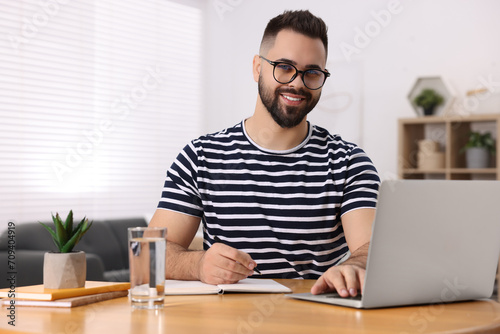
452, 133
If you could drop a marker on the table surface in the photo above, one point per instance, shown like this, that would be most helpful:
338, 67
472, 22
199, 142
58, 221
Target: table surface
255, 313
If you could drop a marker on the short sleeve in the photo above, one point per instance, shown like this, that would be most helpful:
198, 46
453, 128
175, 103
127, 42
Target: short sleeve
361, 184
180, 192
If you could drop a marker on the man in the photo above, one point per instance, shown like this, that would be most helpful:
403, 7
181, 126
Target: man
276, 191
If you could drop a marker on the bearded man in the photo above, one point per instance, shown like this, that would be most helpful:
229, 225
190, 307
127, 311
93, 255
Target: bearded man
274, 193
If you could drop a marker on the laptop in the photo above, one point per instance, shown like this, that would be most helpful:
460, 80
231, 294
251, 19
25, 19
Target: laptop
433, 242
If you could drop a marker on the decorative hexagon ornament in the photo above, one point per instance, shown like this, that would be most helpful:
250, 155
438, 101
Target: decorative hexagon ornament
438, 85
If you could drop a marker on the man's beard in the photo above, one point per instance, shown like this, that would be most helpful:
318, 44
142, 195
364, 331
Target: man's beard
286, 116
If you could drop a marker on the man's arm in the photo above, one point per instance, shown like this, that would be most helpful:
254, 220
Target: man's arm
348, 277
220, 264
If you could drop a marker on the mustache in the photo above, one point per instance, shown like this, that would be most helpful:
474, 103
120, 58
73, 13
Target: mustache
289, 90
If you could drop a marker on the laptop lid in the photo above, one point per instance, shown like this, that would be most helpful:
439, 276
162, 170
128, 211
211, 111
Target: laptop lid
433, 241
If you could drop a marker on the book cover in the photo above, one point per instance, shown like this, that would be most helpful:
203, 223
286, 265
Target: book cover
67, 302
256, 285
38, 292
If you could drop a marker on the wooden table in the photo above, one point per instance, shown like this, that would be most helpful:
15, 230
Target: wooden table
255, 313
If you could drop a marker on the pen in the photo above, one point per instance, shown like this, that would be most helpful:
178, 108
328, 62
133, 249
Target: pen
217, 239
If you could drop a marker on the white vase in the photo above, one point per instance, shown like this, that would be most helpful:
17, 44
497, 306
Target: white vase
477, 157
64, 270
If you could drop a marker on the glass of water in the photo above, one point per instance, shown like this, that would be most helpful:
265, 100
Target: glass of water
146, 253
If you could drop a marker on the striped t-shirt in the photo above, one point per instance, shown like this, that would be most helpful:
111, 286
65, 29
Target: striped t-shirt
283, 208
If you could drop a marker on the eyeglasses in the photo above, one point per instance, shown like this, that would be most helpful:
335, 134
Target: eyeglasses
284, 73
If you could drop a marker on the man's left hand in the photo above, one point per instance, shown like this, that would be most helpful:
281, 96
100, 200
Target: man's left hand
346, 279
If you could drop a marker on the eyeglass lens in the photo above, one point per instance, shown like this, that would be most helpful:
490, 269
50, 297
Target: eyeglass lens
285, 73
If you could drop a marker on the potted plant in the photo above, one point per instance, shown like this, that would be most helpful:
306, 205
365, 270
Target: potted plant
66, 268
428, 99
478, 149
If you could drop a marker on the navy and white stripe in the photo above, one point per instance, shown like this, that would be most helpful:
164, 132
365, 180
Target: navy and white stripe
282, 208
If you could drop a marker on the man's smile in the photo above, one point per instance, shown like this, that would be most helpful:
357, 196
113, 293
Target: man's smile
291, 99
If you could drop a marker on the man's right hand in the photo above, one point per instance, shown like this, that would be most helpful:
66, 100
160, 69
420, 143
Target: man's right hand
222, 264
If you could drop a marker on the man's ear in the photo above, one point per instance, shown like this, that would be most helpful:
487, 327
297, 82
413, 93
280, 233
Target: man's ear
256, 68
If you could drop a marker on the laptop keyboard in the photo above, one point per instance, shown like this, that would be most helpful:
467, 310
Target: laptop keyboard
336, 295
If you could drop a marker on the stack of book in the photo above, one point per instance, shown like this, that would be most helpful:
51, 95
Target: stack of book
37, 295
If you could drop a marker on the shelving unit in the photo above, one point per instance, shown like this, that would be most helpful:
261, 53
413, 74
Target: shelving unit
452, 133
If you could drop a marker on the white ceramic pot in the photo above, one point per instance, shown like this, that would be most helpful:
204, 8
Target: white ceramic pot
64, 270
477, 157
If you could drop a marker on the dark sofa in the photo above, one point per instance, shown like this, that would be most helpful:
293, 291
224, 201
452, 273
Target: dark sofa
105, 245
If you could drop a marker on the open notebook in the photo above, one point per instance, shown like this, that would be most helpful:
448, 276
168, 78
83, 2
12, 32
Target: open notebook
256, 285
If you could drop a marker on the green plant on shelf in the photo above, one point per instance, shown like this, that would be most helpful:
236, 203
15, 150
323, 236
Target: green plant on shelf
481, 140
428, 99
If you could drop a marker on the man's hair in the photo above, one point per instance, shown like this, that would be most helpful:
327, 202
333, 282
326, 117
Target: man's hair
300, 21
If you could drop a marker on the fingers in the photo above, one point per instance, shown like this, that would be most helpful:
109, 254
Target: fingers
222, 264
242, 258
351, 285
321, 286
347, 280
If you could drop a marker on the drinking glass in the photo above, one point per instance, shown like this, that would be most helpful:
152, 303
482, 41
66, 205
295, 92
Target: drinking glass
147, 251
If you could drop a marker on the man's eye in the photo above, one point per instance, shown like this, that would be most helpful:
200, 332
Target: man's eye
314, 74
285, 67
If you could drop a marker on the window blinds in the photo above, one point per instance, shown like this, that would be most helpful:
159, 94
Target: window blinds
96, 100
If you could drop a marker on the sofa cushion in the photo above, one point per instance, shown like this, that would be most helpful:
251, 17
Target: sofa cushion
121, 275
100, 240
120, 230
31, 236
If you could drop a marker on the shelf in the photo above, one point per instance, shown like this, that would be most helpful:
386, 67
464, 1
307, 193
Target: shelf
473, 170
451, 132
451, 119
449, 170
424, 171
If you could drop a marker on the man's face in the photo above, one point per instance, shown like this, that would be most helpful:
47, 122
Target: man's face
290, 103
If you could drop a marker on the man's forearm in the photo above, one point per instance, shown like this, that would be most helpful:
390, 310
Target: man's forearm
359, 256
182, 263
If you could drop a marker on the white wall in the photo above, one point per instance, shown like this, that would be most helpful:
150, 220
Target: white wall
455, 39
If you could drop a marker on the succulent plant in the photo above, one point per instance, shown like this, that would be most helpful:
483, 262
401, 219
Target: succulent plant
65, 236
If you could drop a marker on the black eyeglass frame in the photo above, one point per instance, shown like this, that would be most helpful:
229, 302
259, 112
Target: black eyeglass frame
275, 63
